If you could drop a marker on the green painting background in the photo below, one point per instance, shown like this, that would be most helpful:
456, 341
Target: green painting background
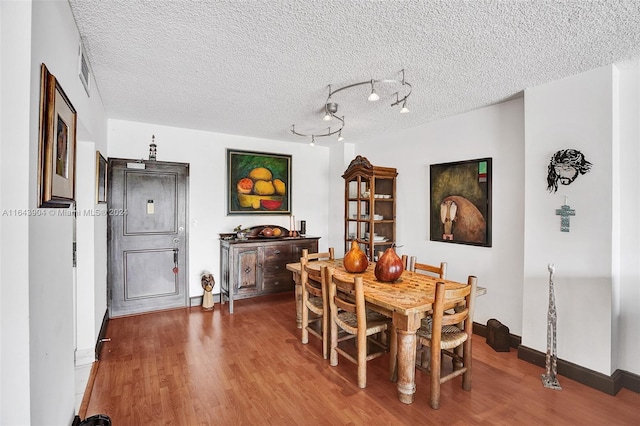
240, 163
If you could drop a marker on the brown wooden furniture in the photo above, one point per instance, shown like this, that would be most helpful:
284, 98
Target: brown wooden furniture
407, 301
257, 266
349, 314
328, 255
439, 271
370, 206
315, 300
446, 333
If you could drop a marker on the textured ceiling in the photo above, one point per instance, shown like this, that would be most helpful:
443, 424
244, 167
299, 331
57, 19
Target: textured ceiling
254, 68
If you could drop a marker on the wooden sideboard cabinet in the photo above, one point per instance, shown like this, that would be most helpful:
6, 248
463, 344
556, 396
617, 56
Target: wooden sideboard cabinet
258, 266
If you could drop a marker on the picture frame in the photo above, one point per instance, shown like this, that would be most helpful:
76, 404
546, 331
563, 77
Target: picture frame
258, 183
460, 202
101, 179
56, 144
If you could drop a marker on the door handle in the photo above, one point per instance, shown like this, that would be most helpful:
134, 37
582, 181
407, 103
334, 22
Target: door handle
175, 261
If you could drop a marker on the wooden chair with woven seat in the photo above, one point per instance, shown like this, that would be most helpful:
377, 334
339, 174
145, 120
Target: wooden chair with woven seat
445, 333
315, 299
350, 316
439, 271
328, 255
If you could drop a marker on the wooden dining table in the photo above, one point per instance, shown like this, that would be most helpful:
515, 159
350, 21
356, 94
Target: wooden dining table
406, 301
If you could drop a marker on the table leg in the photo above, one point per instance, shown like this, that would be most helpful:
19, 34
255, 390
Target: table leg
298, 296
406, 365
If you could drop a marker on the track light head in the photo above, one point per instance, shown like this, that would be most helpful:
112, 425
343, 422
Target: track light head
373, 96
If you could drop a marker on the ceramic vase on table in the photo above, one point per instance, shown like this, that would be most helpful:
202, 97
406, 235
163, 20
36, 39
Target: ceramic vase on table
389, 266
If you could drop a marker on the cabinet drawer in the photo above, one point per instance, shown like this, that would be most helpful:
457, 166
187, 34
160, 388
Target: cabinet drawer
275, 266
277, 253
278, 282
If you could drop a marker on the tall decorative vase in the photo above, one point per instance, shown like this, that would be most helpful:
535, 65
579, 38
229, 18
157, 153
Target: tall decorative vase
389, 266
355, 260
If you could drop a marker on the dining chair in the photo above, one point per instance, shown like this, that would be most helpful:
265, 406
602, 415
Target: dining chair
314, 299
350, 316
446, 334
328, 255
439, 271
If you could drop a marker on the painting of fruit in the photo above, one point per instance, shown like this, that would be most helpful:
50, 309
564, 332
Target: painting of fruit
258, 183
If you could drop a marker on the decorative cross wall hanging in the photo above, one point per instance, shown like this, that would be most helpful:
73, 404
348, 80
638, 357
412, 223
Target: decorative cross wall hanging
565, 212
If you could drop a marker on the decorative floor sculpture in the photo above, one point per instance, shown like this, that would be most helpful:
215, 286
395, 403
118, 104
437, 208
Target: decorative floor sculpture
549, 379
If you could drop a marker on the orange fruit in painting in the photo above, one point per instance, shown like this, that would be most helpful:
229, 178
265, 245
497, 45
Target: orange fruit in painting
260, 173
264, 187
245, 186
277, 232
279, 186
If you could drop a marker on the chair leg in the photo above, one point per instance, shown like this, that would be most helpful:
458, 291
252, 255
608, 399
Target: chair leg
362, 360
333, 361
393, 355
325, 335
466, 376
305, 323
436, 358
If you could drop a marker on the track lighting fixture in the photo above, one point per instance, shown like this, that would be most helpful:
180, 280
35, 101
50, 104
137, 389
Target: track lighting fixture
331, 108
373, 96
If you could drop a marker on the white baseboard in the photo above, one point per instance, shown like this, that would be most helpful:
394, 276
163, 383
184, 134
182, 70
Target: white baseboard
85, 356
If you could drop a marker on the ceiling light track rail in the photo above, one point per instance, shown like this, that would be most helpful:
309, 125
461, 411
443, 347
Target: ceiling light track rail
331, 108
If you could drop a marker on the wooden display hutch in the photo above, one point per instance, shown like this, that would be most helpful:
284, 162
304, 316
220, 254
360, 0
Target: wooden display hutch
370, 206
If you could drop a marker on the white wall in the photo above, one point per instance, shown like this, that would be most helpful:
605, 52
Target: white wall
575, 112
627, 306
206, 154
37, 274
15, 111
496, 132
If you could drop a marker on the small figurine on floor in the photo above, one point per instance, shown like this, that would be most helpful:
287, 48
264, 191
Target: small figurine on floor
208, 283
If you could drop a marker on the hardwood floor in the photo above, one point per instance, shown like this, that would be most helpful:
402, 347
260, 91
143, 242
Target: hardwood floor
191, 367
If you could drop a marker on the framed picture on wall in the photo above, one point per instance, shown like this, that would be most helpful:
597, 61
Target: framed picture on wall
258, 183
460, 202
57, 144
101, 179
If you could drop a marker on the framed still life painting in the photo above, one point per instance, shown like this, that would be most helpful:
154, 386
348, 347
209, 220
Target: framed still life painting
460, 202
258, 183
57, 144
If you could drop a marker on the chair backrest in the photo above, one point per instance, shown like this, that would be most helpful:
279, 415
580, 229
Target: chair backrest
463, 313
440, 271
311, 279
347, 293
329, 255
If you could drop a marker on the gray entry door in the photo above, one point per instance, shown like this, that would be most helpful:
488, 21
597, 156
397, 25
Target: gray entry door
147, 236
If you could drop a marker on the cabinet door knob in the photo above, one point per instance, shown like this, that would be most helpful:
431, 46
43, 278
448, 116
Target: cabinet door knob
277, 252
